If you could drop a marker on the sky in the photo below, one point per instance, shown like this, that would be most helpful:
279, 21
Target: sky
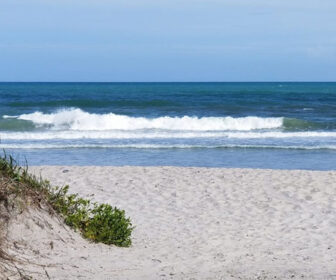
167, 40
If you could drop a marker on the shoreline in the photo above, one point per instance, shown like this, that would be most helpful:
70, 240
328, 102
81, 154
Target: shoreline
201, 223
43, 166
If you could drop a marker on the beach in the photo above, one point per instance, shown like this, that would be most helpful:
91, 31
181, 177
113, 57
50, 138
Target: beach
193, 223
164, 140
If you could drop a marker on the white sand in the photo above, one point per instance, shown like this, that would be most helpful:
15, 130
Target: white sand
194, 223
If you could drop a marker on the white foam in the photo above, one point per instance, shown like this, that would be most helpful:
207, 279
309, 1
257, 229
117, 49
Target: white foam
9, 117
76, 119
280, 134
118, 134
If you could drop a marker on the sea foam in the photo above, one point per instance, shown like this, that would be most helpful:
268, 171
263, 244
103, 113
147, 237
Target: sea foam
118, 134
77, 119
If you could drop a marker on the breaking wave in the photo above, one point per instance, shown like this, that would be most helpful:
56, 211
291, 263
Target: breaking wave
77, 119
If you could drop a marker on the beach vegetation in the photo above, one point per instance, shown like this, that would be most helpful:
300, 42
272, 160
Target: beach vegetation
96, 222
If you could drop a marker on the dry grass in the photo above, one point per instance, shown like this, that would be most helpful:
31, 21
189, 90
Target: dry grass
19, 191
16, 195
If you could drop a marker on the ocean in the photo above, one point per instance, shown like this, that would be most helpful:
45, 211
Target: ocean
253, 125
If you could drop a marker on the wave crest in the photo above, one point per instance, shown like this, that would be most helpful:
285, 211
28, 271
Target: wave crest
76, 119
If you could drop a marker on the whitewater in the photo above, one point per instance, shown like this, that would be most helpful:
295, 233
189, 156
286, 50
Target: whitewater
212, 124
77, 119
113, 131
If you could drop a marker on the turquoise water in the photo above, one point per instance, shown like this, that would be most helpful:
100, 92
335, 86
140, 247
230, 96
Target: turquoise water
264, 125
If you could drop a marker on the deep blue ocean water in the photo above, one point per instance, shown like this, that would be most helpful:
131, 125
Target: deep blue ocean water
257, 125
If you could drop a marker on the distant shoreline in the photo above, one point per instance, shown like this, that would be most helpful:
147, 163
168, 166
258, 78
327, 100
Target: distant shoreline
159, 82
242, 169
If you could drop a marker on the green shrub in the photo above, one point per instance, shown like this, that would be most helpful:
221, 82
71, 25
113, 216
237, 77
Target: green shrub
109, 225
97, 222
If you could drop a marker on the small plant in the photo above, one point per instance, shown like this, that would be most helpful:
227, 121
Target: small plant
109, 225
97, 222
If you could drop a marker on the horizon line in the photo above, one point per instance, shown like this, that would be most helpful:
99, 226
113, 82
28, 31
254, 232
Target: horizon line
284, 81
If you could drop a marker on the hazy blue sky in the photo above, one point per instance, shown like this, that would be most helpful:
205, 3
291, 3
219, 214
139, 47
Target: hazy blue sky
153, 40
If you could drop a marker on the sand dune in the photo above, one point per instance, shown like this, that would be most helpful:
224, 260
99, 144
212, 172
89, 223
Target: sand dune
194, 223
